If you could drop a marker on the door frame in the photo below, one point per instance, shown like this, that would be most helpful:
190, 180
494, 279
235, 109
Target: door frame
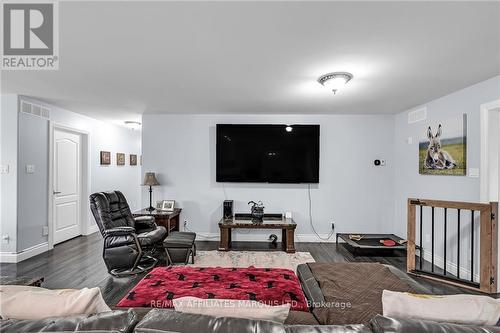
485, 110
85, 179
484, 189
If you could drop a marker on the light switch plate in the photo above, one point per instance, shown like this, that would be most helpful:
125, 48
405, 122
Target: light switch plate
30, 168
4, 169
474, 172
409, 140
45, 230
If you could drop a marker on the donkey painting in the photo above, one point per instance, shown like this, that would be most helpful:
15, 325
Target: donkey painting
436, 157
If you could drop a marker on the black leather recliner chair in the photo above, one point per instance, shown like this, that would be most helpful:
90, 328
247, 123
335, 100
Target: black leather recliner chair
128, 242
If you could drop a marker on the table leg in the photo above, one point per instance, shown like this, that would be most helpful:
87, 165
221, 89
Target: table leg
283, 239
290, 243
225, 238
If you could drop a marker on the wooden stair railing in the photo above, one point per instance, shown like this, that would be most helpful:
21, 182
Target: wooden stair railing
488, 243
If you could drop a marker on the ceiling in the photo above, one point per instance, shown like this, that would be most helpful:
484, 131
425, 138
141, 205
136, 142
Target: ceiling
119, 60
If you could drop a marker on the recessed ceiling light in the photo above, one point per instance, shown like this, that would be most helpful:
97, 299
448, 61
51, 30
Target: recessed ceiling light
335, 81
132, 124
288, 128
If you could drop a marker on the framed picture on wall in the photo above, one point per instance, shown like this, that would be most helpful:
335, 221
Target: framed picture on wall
443, 147
133, 159
120, 159
105, 158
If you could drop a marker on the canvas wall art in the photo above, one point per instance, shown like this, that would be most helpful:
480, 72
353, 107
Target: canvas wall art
443, 147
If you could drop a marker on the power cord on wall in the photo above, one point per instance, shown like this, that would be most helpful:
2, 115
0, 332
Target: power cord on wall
198, 234
311, 217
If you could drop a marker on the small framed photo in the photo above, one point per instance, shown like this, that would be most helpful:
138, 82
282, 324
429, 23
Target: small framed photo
159, 205
133, 159
120, 159
105, 158
168, 205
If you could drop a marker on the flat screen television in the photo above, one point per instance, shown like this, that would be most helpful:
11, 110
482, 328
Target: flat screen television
267, 153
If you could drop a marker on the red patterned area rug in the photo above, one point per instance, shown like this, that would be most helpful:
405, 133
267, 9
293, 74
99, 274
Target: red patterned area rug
271, 286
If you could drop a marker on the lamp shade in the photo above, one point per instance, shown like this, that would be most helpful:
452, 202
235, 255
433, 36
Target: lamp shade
150, 179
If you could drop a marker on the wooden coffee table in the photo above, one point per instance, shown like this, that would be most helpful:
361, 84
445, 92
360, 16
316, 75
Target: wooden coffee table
287, 227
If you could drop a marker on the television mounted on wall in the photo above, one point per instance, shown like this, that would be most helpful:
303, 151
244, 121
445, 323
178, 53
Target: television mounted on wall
252, 153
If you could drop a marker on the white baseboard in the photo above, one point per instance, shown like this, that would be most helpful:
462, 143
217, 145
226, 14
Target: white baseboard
8, 257
242, 236
24, 254
91, 229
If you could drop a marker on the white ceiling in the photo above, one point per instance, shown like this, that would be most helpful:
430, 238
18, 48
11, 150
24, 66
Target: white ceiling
121, 59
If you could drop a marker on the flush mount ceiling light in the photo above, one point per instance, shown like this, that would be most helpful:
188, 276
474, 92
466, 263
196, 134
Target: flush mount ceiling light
335, 81
132, 124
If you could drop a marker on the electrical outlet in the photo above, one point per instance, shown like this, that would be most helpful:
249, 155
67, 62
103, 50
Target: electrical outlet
45, 230
333, 225
185, 224
4, 169
30, 168
5, 239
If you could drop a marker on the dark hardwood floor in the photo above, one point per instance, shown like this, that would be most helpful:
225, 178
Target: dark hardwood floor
78, 263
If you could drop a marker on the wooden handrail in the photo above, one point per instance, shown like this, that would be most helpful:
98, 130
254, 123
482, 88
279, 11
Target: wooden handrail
488, 235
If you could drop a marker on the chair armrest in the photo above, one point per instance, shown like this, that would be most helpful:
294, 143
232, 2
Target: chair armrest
145, 221
118, 231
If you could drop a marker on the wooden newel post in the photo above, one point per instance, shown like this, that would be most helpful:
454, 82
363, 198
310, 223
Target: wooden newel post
410, 245
494, 246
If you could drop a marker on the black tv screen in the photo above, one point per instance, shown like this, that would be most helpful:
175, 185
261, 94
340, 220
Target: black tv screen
267, 153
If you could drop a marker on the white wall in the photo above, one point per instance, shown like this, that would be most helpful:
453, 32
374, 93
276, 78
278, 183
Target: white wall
32, 190
353, 193
409, 183
103, 136
8, 185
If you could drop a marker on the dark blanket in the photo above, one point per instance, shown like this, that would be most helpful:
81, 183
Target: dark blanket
353, 291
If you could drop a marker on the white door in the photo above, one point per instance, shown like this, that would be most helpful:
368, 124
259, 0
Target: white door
67, 185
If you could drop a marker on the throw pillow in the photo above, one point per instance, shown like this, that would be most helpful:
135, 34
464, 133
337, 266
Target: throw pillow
31, 303
232, 308
459, 309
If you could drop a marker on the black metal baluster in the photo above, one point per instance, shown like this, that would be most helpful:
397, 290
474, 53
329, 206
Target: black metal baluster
458, 245
432, 242
472, 246
445, 226
421, 247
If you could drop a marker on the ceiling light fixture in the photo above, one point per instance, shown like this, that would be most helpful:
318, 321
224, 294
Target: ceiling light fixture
335, 81
288, 128
132, 124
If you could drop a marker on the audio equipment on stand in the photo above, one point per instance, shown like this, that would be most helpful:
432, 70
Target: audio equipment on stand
228, 210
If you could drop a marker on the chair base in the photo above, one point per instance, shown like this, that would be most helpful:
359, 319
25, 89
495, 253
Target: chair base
177, 252
146, 263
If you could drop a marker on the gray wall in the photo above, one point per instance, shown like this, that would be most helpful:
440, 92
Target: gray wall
33, 187
8, 157
408, 182
352, 192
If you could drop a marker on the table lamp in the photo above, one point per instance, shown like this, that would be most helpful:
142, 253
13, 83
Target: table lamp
150, 180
